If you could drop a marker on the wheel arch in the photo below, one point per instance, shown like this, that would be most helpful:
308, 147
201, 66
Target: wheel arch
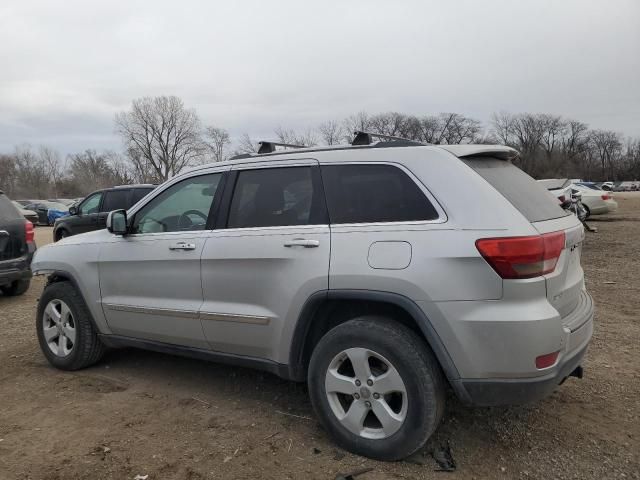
327, 309
58, 276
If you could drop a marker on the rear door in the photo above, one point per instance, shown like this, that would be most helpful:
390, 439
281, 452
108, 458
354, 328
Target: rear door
116, 199
268, 254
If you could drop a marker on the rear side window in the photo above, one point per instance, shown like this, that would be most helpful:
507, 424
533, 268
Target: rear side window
8, 210
531, 198
374, 193
116, 199
139, 194
273, 197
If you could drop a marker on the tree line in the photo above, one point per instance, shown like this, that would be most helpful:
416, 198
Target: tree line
161, 137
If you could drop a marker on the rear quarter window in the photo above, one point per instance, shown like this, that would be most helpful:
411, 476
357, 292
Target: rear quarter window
368, 193
531, 198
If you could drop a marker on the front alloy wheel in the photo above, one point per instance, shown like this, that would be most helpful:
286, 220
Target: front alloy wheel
59, 328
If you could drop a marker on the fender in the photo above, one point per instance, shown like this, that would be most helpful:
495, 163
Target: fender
313, 303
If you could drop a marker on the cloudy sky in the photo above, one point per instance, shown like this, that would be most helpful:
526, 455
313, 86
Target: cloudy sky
67, 67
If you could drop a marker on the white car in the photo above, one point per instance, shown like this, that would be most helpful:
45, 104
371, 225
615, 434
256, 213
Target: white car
596, 201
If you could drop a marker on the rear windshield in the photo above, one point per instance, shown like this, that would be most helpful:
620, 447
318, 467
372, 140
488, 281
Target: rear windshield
531, 198
8, 210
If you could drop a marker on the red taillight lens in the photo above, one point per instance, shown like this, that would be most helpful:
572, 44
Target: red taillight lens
562, 198
547, 360
28, 231
606, 196
522, 257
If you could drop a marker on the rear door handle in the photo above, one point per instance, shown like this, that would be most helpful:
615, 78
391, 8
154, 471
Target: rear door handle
182, 246
302, 242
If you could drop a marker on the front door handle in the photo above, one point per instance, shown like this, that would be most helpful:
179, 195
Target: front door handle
182, 246
302, 242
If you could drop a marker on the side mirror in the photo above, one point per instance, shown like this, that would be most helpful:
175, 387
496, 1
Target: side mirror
117, 222
73, 210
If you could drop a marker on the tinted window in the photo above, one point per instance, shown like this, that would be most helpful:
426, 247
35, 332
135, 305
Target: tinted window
275, 197
531, 198
373, 193
116, 199
182, 207
139, 194
8, 211
91, 204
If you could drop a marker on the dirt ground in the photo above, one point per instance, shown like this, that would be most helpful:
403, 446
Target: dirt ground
142, 413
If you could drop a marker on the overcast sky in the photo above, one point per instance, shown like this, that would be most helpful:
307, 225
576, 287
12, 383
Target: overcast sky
249, 66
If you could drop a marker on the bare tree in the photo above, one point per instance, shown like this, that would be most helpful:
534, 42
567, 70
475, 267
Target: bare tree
218, 142
608, 148
246, 144
306, 138
162, 134
54, 165
331, 132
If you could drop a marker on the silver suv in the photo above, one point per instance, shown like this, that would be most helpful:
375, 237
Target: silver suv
382, 274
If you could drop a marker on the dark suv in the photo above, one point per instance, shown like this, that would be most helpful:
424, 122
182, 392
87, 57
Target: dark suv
91, 213
17, 246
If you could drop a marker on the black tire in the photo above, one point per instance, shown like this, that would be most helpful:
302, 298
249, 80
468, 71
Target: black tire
87, 348
418, 368
16, 288
62, 233
587, 211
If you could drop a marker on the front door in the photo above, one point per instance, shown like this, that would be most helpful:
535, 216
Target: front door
260, 265
88, 211
150, 280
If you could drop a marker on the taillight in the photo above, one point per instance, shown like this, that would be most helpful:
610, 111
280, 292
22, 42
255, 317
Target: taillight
28, 231
547, 360
606, 196
562, 198
522, 257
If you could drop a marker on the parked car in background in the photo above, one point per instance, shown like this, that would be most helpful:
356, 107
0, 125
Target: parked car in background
91, 213
17, 246
595, 201
559, 188
27, 214
63, 201
42, 208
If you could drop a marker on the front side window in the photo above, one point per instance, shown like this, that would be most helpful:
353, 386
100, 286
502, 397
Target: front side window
91, 204
182, 207
374, 193
116, 199
272, 197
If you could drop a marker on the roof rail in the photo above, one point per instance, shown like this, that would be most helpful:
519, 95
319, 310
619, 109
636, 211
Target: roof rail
270, 147
366, 138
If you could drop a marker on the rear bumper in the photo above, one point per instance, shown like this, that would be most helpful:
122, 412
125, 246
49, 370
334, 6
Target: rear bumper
577, 331
16, 268
519, 391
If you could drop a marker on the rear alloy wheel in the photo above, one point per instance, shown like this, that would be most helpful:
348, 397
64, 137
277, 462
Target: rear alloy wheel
366, 393
376, 387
